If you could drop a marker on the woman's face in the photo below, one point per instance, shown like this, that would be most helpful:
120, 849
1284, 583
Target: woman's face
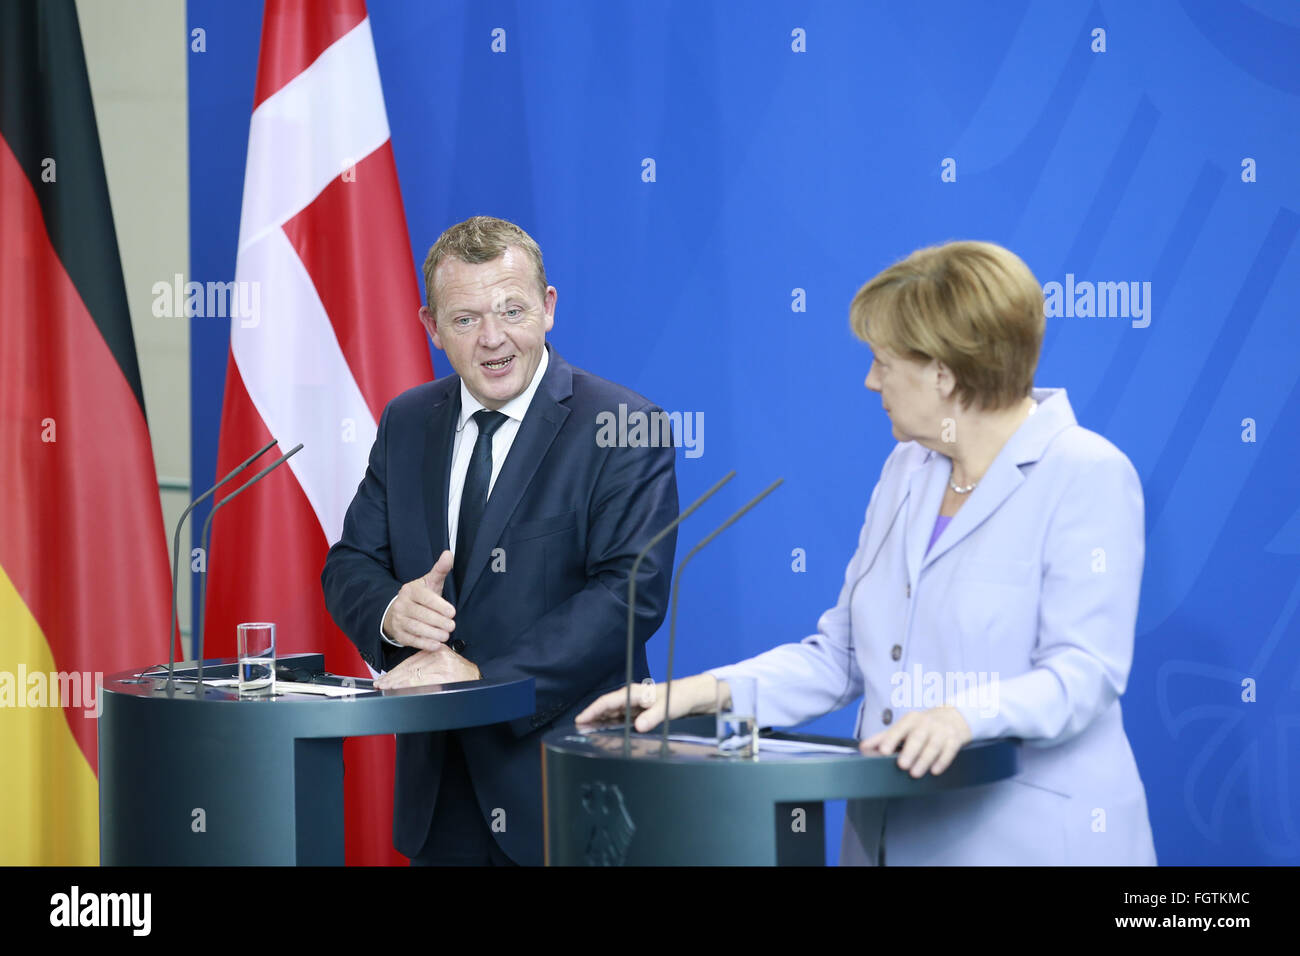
908, 393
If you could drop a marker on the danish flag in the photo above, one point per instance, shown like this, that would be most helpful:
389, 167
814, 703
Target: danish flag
323, 235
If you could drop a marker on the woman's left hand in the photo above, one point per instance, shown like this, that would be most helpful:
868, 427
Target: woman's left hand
929, 739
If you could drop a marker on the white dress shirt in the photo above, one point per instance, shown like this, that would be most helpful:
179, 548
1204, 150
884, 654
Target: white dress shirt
463, 447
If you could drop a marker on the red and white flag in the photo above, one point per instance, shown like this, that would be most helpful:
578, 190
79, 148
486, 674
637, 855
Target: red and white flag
325, 335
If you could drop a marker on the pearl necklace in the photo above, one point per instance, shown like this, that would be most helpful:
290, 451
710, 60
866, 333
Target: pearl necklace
967, 489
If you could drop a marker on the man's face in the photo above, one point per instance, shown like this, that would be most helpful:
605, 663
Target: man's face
492, 322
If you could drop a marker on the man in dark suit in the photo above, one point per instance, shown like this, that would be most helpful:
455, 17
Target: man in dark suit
498, 474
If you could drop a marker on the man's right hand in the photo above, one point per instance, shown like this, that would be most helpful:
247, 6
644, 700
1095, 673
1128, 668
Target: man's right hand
420, 616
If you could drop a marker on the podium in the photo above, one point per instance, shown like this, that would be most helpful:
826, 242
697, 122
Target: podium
216, 779
693, 806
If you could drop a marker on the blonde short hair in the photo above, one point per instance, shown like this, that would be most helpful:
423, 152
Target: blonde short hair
974, 306
476, 240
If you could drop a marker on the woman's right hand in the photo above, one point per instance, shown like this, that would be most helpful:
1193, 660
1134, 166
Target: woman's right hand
691, 695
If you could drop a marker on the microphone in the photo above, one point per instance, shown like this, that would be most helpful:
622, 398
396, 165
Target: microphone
176, 556
672, 627
631, 599
207, 531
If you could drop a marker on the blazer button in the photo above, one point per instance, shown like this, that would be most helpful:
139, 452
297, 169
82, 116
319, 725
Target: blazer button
896, 651
888, 716
457, 645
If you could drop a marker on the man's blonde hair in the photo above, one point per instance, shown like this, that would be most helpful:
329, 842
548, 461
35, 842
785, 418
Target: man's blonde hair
974, 306
476, 240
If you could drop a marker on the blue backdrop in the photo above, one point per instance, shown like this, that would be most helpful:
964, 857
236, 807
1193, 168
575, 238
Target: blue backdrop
1105, 141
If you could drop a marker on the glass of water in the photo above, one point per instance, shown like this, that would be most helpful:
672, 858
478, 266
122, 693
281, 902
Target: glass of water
256, 652
737, 717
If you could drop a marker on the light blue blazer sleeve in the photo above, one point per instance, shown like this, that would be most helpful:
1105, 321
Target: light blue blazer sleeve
799, 682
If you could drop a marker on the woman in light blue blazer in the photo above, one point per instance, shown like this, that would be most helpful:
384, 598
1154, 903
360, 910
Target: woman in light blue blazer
993, 593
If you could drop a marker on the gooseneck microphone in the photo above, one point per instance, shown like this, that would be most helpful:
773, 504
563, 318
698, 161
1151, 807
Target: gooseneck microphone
207, 531
176, 556
672, 626
631, 599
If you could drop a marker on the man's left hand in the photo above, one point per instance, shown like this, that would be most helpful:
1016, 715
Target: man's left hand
929, 738
441, 665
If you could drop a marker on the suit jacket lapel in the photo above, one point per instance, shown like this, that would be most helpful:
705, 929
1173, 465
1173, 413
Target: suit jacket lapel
542, 422
891, 503
439, 438
1004, 476
926, 486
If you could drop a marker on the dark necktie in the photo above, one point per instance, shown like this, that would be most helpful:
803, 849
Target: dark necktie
473, 499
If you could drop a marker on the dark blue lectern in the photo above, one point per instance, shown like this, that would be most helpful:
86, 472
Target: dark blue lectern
607, 805
214, 779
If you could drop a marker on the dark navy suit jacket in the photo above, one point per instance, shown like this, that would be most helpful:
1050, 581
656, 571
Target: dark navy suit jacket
570, 516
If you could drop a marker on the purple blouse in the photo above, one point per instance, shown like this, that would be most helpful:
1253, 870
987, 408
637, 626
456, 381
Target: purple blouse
939, 525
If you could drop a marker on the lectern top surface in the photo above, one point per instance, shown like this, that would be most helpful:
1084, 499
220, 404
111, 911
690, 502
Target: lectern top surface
824, 770
689, 747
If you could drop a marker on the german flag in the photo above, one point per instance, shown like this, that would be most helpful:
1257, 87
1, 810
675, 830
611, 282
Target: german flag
84, 580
